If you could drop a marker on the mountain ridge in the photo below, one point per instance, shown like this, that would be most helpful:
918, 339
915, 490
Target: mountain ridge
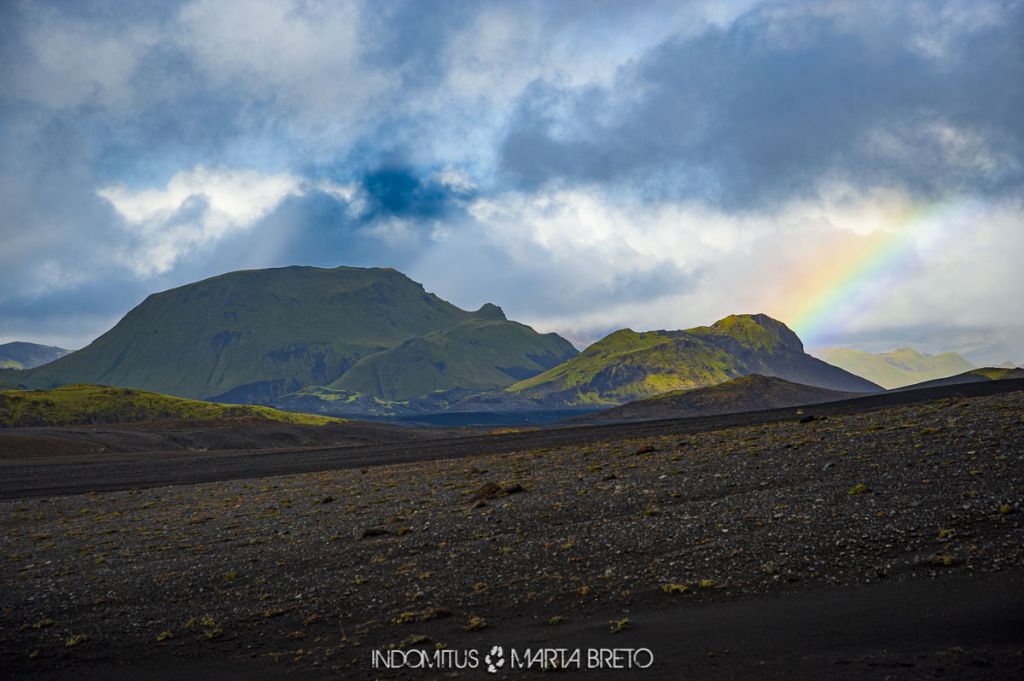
897, 368
627, 365
979, 375
253, 335
24, 355
734, 337
749, 393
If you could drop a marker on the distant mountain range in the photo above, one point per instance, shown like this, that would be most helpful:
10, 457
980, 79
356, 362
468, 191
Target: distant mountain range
253, 336
898, 368
747, 393
756, 393
373, 343
20, 355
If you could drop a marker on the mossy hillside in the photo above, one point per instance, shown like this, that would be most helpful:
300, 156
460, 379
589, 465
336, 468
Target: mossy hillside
11, 378
980, 375
746, 393
320, 400
92, 404
21, 355
997, 373
628, 365
756, 332
339, 396
251, 336
279, 328
898, 368
478, 354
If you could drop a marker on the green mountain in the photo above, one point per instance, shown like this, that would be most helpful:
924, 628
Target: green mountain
898, 368
90, 404
973, 376
19, 355
252, 336
747, 393
627, 366
478, 354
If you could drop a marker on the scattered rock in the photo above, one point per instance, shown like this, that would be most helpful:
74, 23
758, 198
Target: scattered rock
492, 490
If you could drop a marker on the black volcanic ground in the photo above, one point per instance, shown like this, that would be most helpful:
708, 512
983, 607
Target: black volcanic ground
881, 544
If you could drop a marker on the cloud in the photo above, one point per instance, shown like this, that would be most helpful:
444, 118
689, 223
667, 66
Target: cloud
587, 165
583, 263
66, 61
305, 59
196, 207
763, 108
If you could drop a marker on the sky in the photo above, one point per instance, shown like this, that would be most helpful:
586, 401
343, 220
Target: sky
852, 168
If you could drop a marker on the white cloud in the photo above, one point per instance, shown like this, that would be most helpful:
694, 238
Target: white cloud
200, 206
454, 178
306, 59
72, 62
583, 262
234, 197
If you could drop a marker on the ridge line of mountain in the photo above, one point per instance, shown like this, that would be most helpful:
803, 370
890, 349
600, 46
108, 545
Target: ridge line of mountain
370, 341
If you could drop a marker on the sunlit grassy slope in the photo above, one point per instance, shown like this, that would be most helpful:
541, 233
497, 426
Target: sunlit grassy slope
973, 376
251, 336
747, 393
997, 373
627, 365
319, 400
90, 404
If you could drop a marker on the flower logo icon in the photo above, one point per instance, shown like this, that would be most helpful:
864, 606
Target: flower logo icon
495, 659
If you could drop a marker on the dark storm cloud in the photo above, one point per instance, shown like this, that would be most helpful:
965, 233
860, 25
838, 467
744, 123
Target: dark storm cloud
398, 191
762, 109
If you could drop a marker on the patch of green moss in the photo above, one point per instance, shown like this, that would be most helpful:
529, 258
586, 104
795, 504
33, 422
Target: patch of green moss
616, 626
93, 404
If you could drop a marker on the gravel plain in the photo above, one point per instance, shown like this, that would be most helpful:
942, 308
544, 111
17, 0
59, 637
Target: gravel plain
307, 574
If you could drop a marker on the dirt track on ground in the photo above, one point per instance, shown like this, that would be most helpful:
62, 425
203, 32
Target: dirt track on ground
41, 475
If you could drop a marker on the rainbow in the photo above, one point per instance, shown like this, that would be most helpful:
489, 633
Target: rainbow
850, 282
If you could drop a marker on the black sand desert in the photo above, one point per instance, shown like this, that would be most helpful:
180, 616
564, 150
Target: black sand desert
432, 339
882, 544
